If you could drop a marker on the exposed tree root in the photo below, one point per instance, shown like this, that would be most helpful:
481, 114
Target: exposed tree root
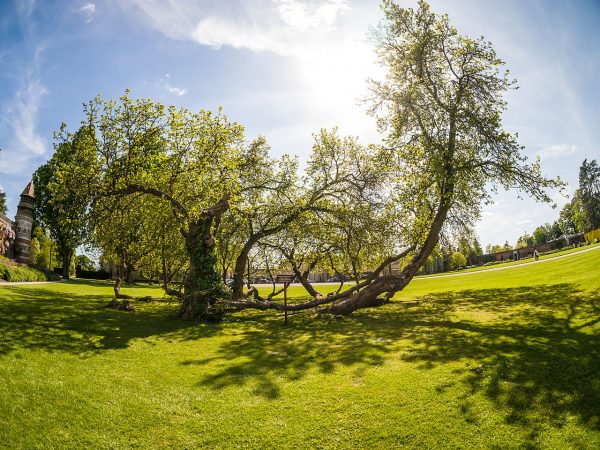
124, 305
119, 295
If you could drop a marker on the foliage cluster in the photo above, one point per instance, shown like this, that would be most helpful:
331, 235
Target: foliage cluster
186, 194
7, 235
12, 271
457, 261
63, 195
3, 208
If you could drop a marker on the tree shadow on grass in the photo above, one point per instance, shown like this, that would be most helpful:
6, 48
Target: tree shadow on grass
266, 351
51, 320
535, 350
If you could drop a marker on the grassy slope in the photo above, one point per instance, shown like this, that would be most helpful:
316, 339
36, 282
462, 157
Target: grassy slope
550, 255
496, 359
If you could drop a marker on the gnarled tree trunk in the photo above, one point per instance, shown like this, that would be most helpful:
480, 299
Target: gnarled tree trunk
204, 291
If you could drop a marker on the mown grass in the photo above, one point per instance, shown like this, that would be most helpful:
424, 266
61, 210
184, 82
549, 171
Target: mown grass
503, 359
525, 260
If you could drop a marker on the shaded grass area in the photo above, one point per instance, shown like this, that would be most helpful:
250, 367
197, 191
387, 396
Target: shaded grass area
494, 360
73, 317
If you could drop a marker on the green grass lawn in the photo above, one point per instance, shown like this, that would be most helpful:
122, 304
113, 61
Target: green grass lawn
503, 359
549, 255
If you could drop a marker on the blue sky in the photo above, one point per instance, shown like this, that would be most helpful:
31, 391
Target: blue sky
284, 69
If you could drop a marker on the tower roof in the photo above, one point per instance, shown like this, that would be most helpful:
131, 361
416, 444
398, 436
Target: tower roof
29, 190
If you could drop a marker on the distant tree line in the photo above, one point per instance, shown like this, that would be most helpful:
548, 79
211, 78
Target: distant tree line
580, 215
3, 208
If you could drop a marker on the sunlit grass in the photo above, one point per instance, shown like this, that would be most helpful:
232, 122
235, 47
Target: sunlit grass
503, 359
526, 260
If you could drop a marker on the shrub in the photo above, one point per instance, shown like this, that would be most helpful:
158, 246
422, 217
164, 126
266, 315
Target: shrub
457, 261
12, 271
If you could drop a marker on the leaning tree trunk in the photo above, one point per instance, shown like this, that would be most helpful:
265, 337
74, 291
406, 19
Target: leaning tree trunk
370, 296
390, 284
204, 291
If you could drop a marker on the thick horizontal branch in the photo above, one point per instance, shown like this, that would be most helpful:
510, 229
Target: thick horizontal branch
319, 301
133, 188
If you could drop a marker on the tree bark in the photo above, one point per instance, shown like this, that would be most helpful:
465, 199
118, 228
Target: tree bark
204, 292
240, 267
67, 255
390, 284
320, 300
117, 289
129, 274
303, 278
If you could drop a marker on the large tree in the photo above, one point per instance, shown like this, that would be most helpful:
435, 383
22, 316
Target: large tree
191, 162
440, 107
62, 191
445, 152
571, 218
319, 210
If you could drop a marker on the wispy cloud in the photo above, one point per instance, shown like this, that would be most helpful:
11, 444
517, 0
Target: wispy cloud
165, 84
280, 26
88, 11
557, 150
332, 59
21, 114
524, 221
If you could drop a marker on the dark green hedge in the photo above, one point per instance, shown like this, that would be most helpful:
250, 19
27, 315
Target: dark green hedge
11, 271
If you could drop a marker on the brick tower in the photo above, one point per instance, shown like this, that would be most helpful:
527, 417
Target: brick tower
24, 222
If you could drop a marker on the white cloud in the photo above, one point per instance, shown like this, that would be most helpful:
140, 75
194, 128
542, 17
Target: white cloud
556, 151
21, 113
165, 85
280, 26
175, 90
88, 11
285, 27
304, 16
524, 221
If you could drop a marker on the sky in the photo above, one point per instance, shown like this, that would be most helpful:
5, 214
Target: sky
285, 69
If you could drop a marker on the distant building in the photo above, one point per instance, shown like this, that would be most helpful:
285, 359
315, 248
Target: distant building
21, 247
524, 252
